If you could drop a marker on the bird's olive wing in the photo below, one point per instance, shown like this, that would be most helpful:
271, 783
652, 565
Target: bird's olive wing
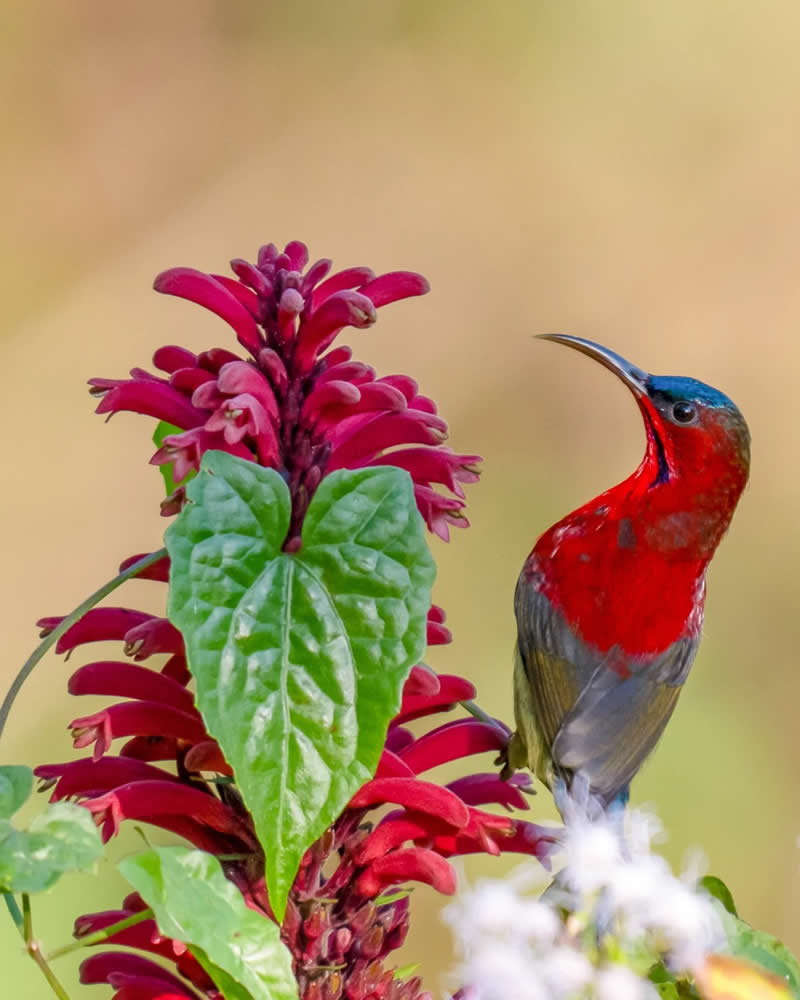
554, 659
617, 721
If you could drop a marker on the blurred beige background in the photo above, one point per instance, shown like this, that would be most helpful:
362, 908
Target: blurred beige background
626, 172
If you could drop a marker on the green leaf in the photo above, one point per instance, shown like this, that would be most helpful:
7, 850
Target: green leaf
299, 659
761, 949
194, 903
63, 838
716, 887
163, 430
16, 785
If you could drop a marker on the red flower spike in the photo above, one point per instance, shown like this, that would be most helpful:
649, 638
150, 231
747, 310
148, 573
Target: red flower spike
293, 402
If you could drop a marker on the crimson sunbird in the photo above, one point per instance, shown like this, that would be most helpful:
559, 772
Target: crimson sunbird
609, 603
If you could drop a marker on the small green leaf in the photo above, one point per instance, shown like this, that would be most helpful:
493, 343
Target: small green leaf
162, 431
716, 887
61, 839
761, 949
16, 785
194, 903
299, 659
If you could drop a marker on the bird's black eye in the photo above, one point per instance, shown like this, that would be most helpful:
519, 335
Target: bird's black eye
684, 412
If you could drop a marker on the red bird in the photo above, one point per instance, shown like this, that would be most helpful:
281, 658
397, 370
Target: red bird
609, 604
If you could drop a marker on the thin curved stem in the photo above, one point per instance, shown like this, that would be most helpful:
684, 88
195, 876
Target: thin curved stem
98, 937
68, 622
474, 709
35, 951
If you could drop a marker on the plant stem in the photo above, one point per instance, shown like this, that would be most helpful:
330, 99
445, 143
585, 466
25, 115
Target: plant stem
35, 951
67, 623
100, 936
13, 909
478, 712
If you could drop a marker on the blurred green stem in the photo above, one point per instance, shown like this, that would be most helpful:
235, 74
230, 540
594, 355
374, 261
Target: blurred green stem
102, 935
14, 910
67, 623
478, 712
35, 951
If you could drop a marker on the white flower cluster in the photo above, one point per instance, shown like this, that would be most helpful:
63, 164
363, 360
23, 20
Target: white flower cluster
624, 903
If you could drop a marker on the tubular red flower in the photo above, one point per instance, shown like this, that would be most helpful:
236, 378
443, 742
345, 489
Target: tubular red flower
187, 283
135, 718
153, 399
97, 625
452, 689
410, 864
126, 680
451, 741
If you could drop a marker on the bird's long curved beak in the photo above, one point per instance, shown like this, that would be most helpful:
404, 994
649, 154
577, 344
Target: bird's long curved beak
633, 377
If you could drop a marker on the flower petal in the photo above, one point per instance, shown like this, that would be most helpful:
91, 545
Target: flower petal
119, 678
452, 690
483, 789
79, 778
319, 330
460, 738
422, 796
394, 286
158, 571
135, 718
97, 625
407, 864
188, 283
153, 400
351, 277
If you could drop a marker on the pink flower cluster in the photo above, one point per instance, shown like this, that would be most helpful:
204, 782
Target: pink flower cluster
293, 404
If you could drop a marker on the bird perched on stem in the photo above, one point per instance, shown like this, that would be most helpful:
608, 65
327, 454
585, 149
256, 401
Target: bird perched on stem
609, 604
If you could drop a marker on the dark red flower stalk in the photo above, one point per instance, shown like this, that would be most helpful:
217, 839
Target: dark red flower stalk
297, 405
292, 403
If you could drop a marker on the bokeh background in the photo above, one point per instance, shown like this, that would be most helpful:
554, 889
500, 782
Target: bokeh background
626, 172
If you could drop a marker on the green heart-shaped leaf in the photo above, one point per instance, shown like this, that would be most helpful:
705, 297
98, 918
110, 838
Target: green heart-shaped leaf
299, 659
194, 903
